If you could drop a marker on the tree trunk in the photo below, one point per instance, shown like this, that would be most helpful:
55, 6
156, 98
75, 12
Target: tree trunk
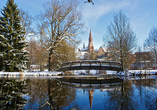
122, 64
49, 61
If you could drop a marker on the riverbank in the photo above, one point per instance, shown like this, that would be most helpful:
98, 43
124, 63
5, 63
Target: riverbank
78, 72
44, 73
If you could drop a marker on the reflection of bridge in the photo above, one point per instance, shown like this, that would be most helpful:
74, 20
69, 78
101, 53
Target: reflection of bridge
91, 81
91, 64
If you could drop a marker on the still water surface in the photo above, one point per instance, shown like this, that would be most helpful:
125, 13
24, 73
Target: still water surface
49, 93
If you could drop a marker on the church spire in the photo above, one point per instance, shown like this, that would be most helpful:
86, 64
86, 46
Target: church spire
90, 92
90, 45
90, 37
83, 45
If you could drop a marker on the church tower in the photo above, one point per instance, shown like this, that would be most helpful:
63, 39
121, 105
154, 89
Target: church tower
90, 92
90, 45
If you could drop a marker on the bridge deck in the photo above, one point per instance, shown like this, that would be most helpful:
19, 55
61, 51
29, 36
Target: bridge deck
91, 64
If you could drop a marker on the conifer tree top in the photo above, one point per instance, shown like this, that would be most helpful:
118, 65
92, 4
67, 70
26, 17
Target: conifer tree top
12, 38
10, 4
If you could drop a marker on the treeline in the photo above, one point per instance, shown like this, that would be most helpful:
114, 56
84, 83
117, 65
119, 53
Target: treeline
50, 43
121, 43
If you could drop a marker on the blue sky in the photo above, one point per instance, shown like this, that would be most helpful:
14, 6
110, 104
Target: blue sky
142, 15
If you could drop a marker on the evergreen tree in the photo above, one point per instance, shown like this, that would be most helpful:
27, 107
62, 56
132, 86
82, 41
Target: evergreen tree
12, 42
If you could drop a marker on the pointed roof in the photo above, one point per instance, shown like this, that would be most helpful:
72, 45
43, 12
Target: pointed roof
90, 92
90, 37
90, 45
103, 48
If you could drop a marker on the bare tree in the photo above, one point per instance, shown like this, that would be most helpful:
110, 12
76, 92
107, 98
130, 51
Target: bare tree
66, 53
26, 21
120, 38
90, 56
37, 54
138, 58
151, 42
62, 20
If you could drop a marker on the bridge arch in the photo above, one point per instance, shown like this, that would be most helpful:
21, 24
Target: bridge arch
91, 65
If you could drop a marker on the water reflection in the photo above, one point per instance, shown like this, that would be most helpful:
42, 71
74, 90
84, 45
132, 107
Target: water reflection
11, 92
147, 90
52, 94
121, 99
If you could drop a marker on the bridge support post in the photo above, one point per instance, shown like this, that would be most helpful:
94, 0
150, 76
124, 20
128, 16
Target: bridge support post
90, 64
100, 83
110, 64
70, 64
80, 64
90, 82
80, 82
110, 83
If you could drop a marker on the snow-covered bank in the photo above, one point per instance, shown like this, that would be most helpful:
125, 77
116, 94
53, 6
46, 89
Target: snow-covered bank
136, 72
129, 72
77, 72
44, 73
93, 72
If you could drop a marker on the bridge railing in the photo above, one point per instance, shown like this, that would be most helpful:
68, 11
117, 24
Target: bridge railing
91, 63
111, 63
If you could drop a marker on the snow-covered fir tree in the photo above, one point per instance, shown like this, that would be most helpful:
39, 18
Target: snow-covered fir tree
12, 42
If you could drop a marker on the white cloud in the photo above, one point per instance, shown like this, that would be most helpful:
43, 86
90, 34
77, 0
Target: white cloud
92, 13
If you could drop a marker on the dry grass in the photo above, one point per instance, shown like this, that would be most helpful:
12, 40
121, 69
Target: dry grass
68, 73
21, 74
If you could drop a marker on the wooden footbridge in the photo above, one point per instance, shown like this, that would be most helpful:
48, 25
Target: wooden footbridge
91, 65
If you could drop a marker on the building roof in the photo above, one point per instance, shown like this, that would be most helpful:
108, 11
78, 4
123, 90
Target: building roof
83, 49
104, 48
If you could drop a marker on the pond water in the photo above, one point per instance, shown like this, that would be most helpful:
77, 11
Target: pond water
46, 93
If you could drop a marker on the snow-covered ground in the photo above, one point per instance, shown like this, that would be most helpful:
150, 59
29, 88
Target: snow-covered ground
76, 72
44, 73
143, 71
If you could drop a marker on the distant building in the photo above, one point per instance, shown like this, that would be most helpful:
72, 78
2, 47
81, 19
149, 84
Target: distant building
34, 68
143, 60
102, 53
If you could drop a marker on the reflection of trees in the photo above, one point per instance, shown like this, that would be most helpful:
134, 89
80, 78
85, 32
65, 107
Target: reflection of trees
147, 92
49, 94
37, 90
11, 92
121, 99
59, 95
74, 106
153, 104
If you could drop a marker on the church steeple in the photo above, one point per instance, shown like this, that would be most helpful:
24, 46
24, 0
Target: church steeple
90, 37
83, 45
90, 92
90, 45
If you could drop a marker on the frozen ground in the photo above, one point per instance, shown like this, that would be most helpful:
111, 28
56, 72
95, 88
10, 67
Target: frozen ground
77, 72
44, 73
